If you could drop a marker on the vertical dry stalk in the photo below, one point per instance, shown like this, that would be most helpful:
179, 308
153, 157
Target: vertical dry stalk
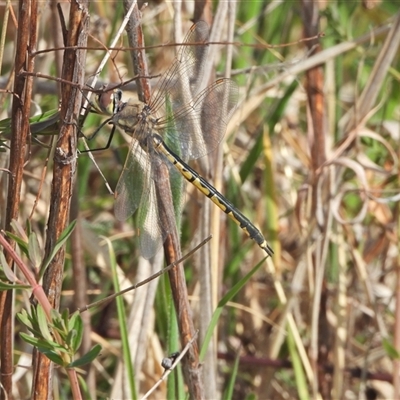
317, 132
172, 244
63, 175
209, 265
26, 43
172, 250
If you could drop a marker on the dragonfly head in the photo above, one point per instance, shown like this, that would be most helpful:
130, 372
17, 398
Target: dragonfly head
109, 101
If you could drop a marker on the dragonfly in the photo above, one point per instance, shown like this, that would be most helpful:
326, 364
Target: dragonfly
176, 125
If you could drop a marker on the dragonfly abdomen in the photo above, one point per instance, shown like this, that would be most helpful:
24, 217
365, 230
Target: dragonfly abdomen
216, 197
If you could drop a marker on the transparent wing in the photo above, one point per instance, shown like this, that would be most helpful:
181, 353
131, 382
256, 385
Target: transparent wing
134, 182
136, 190
154, 220
210, 112
183, 115
151, 232
187, 64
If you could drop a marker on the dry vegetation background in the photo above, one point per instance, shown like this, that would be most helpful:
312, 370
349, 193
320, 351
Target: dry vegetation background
310, 156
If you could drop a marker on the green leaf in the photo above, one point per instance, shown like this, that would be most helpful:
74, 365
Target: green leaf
70, 338
60, 242
53, 356
3, 146
11, 286
49, 119
35, 253
38, 123
9, 273
65, 317
43, 323
39, 343
28, 228
87, 358
59, 327
73, 321
23, 245
58, 323
23, 317
31, 339
29, 322
6, 286
76, 326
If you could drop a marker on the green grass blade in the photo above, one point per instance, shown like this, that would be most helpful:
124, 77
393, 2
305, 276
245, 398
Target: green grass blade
217, 313
123, 323
229, 390
301, 379
175, 384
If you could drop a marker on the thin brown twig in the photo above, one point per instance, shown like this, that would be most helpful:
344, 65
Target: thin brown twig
108, 299
84, 87
173, 366
260, 46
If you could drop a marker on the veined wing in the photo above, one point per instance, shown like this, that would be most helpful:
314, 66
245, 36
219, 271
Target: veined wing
187, 63
185, 116
133, 183
150, 231
190, 127
153, 220
136, 190
210, 111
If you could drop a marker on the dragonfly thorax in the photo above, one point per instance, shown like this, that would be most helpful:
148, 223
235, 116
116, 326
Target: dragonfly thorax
129, 115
